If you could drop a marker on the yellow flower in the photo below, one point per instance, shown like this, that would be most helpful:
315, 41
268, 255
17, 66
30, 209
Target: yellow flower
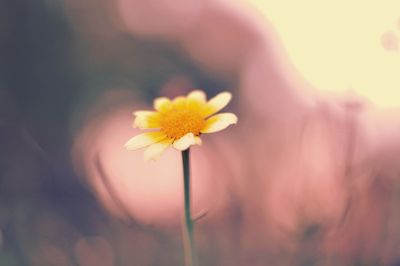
180, 122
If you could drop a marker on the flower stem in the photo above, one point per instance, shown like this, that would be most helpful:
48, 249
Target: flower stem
189, 247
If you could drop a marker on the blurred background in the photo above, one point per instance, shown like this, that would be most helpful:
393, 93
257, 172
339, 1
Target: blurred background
309, 176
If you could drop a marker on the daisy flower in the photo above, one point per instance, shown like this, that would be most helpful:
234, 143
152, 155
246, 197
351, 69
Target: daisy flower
180, 122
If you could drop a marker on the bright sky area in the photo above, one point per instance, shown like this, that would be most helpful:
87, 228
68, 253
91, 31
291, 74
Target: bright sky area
342, 45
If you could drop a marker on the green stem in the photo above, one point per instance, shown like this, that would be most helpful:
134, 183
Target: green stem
189, 247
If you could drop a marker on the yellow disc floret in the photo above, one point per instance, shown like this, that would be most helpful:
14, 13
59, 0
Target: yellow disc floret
178, 122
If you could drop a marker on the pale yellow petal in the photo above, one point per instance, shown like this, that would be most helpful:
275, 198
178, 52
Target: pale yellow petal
216, 104
147, 120
146, 124
162, 104
185, 142
154, 151
145, 139
179, 102
219, 122
196, 101
143, 113
197, 140
197, 95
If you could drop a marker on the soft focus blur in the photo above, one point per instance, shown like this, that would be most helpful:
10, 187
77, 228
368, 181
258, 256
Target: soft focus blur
309, 175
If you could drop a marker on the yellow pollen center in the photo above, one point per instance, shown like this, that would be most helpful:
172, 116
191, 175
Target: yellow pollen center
177, 123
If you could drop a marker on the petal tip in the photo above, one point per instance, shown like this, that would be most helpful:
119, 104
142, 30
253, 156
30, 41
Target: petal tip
184, 142
227, 95
235, 119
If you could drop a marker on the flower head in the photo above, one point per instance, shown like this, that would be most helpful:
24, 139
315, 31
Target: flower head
180, 122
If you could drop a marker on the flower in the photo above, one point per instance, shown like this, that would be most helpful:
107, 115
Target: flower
180, 122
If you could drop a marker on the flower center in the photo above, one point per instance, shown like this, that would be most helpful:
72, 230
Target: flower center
177, 123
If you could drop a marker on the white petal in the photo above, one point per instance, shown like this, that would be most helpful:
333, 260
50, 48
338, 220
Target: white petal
179, 102
144, 140
185, 142
143, 113
216, 104
198, 140
162, 104
147, 120
154, 151
197, 95
219, 122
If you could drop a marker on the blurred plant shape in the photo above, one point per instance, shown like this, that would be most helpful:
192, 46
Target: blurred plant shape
180, 122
